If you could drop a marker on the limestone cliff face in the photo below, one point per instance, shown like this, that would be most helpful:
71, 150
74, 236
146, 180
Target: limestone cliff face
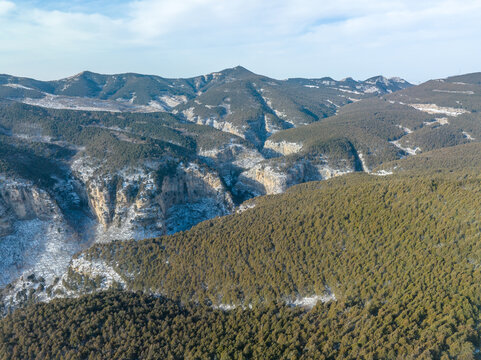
283, 147
217, 122
137, 203
38, 237
276, 175
235, 154
24, 201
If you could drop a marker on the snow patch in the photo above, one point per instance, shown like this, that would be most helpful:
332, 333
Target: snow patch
382, 173
225, 307
348, 91
330, 102
435, 109
132, 99
468, 92
363, 163
405, 129
371, 90
96, 268
173, 100
409, 151
310, 301
18, 86
244, 207
37, 246
440, 121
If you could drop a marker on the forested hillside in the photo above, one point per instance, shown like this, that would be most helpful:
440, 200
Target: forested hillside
98, 214
398, 257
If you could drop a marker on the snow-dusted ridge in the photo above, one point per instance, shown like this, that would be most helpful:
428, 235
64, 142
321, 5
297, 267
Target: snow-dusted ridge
407, 150
90, 104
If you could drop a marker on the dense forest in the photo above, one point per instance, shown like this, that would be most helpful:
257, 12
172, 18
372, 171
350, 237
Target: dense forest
116, 139
124, 325
400, 254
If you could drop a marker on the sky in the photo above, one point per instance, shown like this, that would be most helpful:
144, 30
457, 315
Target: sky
414, 39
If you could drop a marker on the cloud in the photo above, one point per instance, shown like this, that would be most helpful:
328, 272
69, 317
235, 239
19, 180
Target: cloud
278, 37
5, 7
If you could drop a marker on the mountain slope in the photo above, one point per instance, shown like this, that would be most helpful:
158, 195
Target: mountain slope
359, 266
305, 232
255, 106
399, 255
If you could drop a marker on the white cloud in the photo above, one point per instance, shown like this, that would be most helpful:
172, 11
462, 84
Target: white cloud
150, 18
278, 37
6, 6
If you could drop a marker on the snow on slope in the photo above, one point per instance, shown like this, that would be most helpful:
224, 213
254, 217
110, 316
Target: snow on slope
435, 109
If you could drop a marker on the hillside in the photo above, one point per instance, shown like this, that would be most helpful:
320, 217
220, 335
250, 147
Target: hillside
167, 203
233, 100
95, 158
396, 259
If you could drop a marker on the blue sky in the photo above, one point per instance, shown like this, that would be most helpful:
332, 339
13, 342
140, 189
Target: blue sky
417, 40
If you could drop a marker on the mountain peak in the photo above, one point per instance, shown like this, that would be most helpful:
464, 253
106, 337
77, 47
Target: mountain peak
82, 74
380, 79
238, 70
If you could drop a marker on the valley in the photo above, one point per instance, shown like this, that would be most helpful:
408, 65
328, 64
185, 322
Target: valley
237, 195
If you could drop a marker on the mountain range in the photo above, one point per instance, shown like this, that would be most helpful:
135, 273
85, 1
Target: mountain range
181, 188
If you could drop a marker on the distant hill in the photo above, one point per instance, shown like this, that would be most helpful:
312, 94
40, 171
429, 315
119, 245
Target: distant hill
233, 100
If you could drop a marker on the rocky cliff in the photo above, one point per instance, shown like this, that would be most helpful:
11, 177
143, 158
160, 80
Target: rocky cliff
275, 176
38, 238
138, 203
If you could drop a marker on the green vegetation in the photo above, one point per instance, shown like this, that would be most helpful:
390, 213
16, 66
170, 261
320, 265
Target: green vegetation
367, 126
36, 162
400, 254
115, 139
462, 158
403, 250
133, 326
458, 92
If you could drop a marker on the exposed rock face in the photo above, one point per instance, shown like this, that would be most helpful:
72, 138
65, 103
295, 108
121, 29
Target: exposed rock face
217, 122
235, 154
137, 203
274, 177
25, 201
283, 147
42, 229
37, 237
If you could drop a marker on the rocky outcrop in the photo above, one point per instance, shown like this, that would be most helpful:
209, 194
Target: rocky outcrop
37, 240
217, 122
276, 175
283, 147
139, 203
24, 201
232, 153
